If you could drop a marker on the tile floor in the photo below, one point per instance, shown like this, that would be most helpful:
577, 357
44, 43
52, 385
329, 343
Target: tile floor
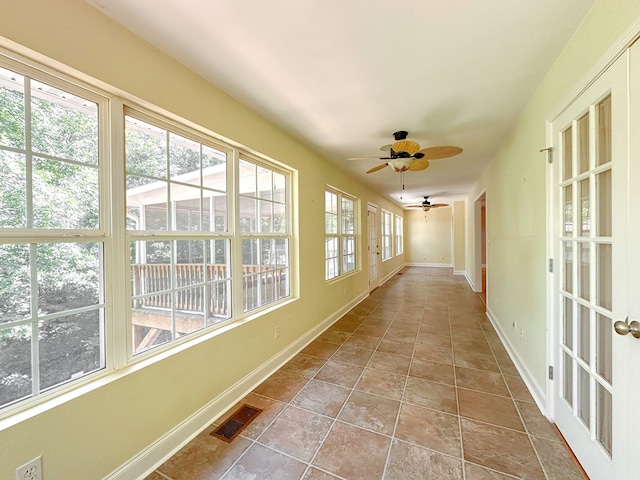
413, 383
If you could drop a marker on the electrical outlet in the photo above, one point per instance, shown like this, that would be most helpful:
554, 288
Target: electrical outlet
31, 470
522, 334
277, 331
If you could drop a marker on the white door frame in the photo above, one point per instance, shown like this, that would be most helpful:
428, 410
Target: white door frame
477, 241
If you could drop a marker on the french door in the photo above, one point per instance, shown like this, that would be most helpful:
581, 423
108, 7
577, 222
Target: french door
596, 282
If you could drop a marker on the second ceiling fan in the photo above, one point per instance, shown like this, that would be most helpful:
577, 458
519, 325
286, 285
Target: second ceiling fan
405, 154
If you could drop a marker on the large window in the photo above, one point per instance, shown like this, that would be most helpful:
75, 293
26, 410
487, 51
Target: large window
52, 236
387, 235
203, 228
399, 236
264, 228
340, 233
177, 219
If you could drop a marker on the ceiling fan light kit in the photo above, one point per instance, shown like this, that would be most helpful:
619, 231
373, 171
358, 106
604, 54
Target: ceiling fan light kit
405, 154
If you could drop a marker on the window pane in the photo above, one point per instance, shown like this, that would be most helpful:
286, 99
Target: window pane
15, 363
603, 346
583, 143
247, 179
567, 319
266, 216
567, 384
248, 215
63, 125
15, 283
65, 195
13, 185
568, 266
219, 274
584, 333
603, 417
567, 153
279, 188
184, 159
265, 183
568, 209
69, 276
189, 310
584, 397
604, 278
603, 139
585, 208
145, 148
189, 268
12, 119
70, 347
603, 185
214, 214
584, 264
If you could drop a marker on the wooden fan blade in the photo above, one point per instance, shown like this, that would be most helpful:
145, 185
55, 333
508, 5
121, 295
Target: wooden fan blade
375, 169
435, 153
369, 158
413, 206
437, 205
418, 164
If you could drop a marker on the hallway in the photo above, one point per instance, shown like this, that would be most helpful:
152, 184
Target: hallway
413, 383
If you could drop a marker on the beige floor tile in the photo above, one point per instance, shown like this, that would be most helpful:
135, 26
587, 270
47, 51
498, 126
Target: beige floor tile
432, 371
557, 460
501, 449
371, 412
262, 462
381, 383
431, 395
352, 355
482, 381
203, 458
390, 363
429, 428
282, 386
340, 373
476, 472
304, 365
322, 397
297, 433
411, 462
338, 455
489, 408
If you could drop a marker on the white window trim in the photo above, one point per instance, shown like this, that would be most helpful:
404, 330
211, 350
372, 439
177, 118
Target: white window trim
399, 235
340, 235
389, 216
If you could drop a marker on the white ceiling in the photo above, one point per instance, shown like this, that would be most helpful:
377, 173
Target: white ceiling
343, 75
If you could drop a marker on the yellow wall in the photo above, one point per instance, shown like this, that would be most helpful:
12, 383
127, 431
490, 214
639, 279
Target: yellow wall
428, 236
90, 436
515, 191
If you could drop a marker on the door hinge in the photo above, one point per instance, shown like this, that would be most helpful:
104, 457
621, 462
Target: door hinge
551, 265
549, 151
550, 372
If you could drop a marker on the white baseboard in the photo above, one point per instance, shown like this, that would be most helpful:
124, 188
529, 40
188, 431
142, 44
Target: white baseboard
392, 274
466, 276
437, 265
536, 392
166, 446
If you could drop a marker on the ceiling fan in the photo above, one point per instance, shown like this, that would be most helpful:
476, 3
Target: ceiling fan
427, 205
405, 154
